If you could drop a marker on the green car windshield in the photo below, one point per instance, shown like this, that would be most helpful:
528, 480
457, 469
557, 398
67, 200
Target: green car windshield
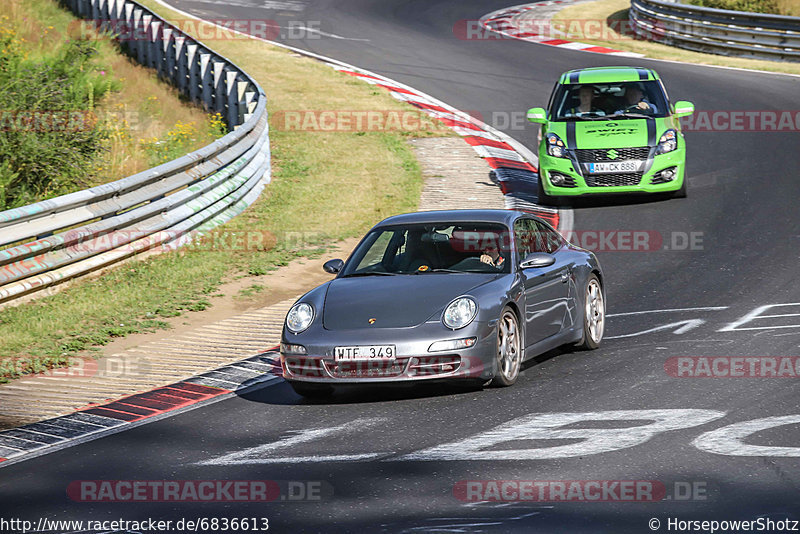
620, 100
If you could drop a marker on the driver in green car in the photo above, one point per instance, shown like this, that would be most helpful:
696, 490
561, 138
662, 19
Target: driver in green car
635, 99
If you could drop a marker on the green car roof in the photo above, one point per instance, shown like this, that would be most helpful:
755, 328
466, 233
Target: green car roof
607, 75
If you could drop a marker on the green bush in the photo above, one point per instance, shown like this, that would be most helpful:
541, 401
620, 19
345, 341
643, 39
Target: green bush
49, 135
753, 6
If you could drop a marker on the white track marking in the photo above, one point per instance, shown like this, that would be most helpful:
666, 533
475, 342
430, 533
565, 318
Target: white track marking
264, 454
729, 440
681, 327
708, 308
485, 446
756, 314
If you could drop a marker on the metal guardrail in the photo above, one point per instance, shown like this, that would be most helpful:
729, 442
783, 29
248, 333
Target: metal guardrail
718, 31
75, 234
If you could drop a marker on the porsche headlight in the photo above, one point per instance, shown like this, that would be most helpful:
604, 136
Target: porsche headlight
460, 313
668, 142
299, 317
555, 146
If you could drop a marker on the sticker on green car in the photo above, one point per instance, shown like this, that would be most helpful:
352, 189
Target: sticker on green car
610, 130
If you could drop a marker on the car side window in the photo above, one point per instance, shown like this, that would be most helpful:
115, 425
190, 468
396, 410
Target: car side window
549, 240
526, 234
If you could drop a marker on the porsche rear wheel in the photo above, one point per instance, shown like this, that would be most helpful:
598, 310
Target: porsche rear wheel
509, 349
594, 314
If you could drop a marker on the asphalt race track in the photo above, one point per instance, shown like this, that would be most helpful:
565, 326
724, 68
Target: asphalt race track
391, 460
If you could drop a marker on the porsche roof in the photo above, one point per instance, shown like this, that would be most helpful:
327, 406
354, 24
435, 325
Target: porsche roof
456, 216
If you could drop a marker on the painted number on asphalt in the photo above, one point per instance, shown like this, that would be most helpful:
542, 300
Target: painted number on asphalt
589, 432
644, 424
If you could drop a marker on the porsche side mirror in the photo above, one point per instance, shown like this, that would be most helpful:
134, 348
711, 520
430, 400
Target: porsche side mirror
537, 259
538, 115
333, 266
683, 108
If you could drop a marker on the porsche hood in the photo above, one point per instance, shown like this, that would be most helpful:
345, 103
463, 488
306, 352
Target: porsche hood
399, 301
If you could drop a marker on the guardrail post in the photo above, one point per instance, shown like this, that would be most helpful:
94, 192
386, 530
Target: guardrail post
220, 92
232, 90
181, 66
193, 64
139, 34
250, 101
153, 46
168, 53
206, 81
104, 12
241, 102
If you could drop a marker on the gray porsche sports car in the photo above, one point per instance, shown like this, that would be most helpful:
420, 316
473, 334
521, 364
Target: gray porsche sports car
464, 295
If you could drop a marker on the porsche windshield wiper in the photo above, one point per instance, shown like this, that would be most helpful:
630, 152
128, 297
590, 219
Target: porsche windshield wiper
371, 273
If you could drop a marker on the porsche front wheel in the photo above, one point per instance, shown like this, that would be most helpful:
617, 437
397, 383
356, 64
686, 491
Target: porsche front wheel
509, 349
594, 314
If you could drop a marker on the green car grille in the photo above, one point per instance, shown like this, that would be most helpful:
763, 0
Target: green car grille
591, 155
613, 180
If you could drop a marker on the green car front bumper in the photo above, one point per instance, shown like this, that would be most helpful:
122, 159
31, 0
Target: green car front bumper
585, 183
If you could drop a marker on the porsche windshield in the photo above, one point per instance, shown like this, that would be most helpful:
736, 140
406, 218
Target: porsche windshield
433, 248
596, 101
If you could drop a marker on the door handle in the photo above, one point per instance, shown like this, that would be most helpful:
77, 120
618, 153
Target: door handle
565, 276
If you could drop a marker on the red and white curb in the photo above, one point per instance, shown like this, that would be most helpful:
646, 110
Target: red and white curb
510, 23
98, 420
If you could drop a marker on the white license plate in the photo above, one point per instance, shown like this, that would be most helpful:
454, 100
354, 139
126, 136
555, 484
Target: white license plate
364, 353
632, 165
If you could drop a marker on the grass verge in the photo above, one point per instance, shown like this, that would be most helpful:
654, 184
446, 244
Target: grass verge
617, 10
327, 186
55, 65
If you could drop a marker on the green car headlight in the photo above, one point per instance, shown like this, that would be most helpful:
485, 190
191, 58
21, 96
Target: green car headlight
555, 146
668, 142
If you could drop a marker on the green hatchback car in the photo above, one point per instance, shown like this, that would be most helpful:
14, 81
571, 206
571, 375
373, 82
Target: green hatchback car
610, 130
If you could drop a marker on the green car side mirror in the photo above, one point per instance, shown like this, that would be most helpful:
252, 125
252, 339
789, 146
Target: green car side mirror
538, 115
683, 108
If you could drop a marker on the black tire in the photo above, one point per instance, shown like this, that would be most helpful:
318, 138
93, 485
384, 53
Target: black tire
508, 355
682, 192
543, 199
311, 390
594, 314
